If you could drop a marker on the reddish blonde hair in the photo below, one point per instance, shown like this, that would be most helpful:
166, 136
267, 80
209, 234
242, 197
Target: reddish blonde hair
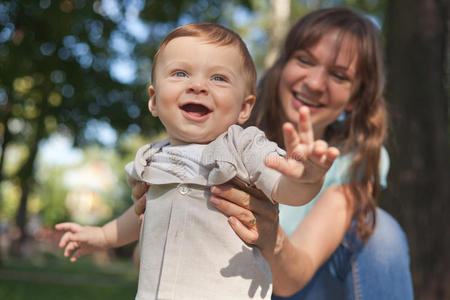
218, 35
364, 129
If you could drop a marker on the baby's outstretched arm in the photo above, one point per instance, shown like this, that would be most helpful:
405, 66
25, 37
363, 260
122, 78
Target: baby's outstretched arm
80, 240
304, 168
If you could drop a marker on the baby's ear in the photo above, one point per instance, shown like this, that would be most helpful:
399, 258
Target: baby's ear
246, 109
152, 107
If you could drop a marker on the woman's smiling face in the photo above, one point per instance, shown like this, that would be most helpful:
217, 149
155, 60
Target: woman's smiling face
320, 79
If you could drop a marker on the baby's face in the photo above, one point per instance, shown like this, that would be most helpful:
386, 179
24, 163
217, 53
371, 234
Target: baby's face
200, 90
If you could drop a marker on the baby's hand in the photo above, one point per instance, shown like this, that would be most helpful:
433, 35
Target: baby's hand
307, 160
81, 240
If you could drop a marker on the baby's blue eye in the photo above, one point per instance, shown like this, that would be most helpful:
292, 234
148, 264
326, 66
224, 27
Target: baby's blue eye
180, 74
218, 78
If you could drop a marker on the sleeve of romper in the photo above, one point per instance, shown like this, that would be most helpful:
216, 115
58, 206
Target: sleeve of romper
253, 147
135, 169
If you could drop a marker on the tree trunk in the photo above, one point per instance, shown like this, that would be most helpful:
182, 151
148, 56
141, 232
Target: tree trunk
278, 30
6, 138
419, 179
5, 141
26, 176
26, 184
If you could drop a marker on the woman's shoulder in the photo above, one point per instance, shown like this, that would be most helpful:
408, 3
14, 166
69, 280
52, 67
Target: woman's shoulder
339, 173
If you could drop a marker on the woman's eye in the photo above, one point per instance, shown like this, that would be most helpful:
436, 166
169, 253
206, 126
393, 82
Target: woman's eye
304, 60
339, 76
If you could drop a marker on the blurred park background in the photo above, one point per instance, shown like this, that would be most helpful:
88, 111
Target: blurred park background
73, 111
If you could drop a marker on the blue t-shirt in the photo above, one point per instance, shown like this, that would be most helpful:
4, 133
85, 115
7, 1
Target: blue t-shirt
339, 173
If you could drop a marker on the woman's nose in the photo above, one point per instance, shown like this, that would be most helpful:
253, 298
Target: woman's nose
316, 79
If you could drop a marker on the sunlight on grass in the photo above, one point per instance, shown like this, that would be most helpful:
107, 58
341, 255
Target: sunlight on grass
52, 277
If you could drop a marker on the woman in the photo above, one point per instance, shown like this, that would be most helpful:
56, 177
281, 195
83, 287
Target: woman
339, 246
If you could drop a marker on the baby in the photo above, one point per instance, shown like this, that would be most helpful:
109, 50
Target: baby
203, 83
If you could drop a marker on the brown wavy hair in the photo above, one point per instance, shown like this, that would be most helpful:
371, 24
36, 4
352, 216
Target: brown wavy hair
364, 128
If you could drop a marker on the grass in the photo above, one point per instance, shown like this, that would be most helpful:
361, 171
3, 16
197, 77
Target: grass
48, 277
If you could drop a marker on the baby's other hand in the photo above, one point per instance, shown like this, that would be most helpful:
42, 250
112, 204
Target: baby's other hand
80, 240
306, 160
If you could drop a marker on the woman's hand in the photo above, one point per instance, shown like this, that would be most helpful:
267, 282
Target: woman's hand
254, 220
139, 188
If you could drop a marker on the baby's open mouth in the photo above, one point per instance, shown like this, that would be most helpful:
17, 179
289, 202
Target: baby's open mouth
197, 110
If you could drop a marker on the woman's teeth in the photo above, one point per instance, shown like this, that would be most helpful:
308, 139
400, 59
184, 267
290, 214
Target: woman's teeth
306, 101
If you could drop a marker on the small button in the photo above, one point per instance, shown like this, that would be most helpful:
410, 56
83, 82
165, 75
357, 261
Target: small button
183, 189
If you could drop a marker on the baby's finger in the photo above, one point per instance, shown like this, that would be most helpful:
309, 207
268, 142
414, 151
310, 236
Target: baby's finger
66, 238
77, 254
139, 190
318, 153
247, 235
71, 246
305, 130
282, 165
68, 226
290, 137
322, 155
332, 154
245, 216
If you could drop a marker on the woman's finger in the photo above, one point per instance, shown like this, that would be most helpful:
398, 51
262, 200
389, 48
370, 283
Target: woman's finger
232, 194
242, 199
141, 219
139, 206
231, 209
249, 236
139, 190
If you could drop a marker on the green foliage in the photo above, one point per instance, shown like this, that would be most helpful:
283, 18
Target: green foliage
55, 69
55, 74
51, 194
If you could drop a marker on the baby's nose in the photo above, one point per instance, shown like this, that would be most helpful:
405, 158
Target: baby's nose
198, 86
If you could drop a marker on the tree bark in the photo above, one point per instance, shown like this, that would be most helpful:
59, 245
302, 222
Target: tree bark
6, 138
26, 184
419, 179
280, 25
26, 176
